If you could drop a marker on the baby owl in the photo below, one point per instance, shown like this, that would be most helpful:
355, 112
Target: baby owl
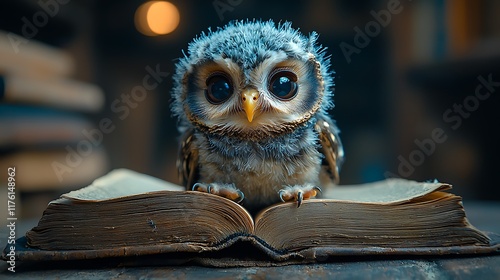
252, 101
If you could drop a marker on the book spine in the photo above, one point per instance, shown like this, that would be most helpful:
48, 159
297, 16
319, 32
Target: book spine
56, 169
463, 24
65, 94
32, 58
38, 129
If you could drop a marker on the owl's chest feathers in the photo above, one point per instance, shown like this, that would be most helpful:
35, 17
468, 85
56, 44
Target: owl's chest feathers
263, 166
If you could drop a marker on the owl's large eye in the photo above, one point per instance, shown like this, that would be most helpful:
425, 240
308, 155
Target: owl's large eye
283, 84
219, 88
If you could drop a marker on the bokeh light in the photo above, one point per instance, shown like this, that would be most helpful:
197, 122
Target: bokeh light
155, 18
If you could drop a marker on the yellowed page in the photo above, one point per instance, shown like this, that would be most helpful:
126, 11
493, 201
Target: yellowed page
390, 191
121, 183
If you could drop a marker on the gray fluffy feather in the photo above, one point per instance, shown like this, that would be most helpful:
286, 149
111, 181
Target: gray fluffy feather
247, 43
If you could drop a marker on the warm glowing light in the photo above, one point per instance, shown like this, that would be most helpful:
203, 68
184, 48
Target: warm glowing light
155, 18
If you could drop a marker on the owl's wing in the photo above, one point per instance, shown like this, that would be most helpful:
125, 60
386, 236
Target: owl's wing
187, 160
331, 147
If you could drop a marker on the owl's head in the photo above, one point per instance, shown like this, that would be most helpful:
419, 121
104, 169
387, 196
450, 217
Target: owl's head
252, 80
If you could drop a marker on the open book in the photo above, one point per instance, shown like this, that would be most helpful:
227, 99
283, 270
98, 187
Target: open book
126, 213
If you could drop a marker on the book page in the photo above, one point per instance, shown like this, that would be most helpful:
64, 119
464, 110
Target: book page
120, 183
390, 191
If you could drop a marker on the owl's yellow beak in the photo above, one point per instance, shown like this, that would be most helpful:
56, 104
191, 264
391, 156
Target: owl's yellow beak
249, 98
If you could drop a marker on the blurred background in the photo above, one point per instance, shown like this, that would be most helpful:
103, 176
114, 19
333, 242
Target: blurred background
85, 87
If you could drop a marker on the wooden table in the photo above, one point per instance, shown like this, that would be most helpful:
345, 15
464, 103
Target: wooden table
484, 215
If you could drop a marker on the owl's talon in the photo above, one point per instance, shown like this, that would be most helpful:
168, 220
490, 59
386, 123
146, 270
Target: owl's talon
281, 192
318, 189
241, 195
228, 191
196, 186
298, 193
300, 196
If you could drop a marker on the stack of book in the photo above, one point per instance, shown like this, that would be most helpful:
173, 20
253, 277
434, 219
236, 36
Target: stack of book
46, 134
